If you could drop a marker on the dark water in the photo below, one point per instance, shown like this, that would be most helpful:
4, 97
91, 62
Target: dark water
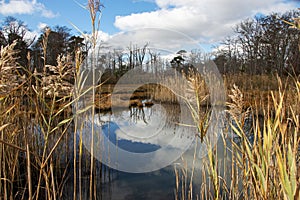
109, 130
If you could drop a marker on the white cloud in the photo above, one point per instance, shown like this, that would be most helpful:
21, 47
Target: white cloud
41, 26
13, 7
102, 36
31, 35
207, 21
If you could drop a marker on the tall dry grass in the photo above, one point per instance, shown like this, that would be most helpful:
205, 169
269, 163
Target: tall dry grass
261, 146
36, 125
32, 127
261, 142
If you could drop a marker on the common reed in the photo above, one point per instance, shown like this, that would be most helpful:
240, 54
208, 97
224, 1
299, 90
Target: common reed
260, 142
261, 145
257, 156
36, 122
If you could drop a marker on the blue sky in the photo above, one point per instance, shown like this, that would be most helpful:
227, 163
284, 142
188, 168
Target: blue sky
69, 10
206, 21
62, 12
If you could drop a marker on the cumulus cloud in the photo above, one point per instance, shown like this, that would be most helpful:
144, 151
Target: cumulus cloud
207, 21
13, 7
165, 41
41, 26
30, 36
103, 36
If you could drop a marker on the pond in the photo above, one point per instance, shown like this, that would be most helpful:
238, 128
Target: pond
138, 149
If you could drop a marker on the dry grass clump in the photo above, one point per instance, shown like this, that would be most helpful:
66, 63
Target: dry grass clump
268, 163
197, 90
59, 79
36, 123
246, 82
238, 107
9, 74
264, 160
162, 93
188, 87
33, 126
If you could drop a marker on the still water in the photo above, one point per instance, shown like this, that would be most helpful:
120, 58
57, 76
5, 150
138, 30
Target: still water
139, 149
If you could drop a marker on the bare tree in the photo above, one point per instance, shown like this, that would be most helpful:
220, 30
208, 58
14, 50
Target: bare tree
12, 30
264, 44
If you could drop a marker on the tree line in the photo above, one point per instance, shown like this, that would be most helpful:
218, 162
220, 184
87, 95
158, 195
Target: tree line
35, 53
261, 45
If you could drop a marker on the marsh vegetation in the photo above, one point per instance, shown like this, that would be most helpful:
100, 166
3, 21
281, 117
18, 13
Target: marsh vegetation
42, 155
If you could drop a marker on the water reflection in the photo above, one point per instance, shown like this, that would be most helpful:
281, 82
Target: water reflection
133, 138
110, 129
153, 134
142, 130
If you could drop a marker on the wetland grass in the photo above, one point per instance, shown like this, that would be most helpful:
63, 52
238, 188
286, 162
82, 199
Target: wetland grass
261, 142
36, 122
41, 146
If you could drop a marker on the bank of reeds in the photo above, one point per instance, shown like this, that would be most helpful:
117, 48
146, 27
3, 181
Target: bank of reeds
260, 154
260, 142
36, 126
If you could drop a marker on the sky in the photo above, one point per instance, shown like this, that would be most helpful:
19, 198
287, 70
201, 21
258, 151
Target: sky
165, 22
